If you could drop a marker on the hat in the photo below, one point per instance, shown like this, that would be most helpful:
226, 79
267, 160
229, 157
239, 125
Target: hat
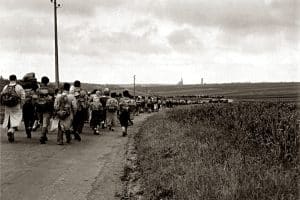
106, 91
113, 94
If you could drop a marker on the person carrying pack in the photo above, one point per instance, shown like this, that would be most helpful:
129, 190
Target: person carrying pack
12, 97
30, 85
65, 106
97, 112
103, 100
82, 109
44, 106
124, 112
111, 111
29, 111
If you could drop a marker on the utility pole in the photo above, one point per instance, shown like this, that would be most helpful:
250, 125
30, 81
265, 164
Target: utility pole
134, 86
55, 5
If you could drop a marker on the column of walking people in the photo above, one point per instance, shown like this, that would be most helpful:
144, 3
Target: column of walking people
43, 108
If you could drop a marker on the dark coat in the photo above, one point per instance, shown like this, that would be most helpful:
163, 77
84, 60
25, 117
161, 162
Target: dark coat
124, 118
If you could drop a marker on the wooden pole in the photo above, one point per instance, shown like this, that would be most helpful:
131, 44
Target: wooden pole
56, 45
134, 86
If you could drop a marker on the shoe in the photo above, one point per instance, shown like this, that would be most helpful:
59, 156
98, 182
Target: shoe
124, 134
68, 138
36, 125
43, 140
96, 133
28, 133
77, 137
60, 143
10, 136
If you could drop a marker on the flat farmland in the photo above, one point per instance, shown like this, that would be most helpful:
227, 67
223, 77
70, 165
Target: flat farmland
240, 91
284, 91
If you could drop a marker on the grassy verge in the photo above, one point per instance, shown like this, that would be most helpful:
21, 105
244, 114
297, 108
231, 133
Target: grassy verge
196, 153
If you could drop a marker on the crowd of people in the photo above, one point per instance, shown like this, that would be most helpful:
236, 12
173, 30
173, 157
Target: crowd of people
67, 109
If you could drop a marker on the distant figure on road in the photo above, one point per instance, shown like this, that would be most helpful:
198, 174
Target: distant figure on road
65, 106
82, 106
97, 110
103, 100
12, 97
111, 111
124, 112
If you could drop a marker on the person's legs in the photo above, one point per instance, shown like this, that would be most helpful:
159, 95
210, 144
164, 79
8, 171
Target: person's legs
10, 132
45, 117
124, 131
59, 135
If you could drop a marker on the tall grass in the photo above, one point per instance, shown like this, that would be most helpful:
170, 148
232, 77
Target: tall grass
221, 151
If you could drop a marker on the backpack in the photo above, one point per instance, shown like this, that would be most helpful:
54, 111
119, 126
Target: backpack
9, 97
43, 102
112, 105
124, 103
64, 109
96, 104
81, 102
131, 104
28, 96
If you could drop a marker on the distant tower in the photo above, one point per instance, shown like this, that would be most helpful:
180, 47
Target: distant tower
180, 82
202, 81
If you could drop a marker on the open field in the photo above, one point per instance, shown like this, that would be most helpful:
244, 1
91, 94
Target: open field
221, 151
241, 91
289, 91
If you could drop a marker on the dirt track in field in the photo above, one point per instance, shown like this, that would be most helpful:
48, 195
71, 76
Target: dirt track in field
86, 170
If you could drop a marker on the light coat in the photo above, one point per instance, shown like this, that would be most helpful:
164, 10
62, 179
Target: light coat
14, 113
66, 123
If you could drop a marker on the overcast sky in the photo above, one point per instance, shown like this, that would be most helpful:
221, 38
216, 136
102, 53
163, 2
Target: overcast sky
160, 41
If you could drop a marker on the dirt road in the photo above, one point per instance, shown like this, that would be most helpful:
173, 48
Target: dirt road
85, 170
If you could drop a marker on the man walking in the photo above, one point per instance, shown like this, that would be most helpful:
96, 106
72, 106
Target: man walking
65, 106
103, 101
45, 107
111, 111
124, 112
12, 97
80, 116
97, 112
29, 84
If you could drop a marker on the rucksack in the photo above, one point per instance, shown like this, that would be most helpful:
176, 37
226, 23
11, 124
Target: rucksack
43, 102
64, 109
131, 105
28, 96
112, 104
9, 97
124, 103
81, 102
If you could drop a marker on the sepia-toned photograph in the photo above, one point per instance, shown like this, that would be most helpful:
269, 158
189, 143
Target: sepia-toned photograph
150, 100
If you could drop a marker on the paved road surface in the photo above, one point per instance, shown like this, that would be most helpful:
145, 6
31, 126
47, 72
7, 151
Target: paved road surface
85, 170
